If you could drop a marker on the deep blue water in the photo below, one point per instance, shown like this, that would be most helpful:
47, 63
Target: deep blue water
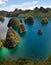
31, 44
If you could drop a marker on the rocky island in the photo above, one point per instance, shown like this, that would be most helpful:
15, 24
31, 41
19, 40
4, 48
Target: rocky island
40, 31
44, 21
14, 21
12, 38
21, 28
29, 20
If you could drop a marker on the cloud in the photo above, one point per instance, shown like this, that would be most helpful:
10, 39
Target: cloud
3, 2
26, 5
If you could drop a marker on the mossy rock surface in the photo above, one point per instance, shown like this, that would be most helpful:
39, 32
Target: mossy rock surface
1, 44
12, 38
44, 21
29, 20
13, 21
21, 28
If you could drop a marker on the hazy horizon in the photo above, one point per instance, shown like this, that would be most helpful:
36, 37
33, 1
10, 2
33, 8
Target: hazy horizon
10, 5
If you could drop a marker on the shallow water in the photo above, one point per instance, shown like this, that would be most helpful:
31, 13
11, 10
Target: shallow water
31, 44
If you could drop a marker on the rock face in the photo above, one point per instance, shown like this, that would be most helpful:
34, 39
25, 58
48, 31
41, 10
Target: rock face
13, 21
11, 39
1, 44
29, 20
40, 31
21, 28
44, 21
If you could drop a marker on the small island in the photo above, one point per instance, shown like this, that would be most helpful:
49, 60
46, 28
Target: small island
40, 31
29, 20
12, 38
44, 21
14, 21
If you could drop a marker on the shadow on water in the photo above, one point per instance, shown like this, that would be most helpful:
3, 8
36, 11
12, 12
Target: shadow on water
12, 50
30, 24
22, 34
15, 28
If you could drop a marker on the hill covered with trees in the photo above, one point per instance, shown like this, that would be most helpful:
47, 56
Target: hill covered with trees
36, 12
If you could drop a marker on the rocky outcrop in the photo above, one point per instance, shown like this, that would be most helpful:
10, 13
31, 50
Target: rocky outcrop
29, 20
21, 28
40, 31
13, 21
1, 44
44, 21
12, 38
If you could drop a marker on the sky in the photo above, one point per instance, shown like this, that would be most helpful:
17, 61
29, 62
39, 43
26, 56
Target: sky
10, 5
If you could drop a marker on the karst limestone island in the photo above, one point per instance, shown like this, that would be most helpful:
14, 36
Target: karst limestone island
12, 38
29, 20
44, 21
14, 21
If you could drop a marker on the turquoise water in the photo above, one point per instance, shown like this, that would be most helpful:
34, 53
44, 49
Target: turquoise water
31, 44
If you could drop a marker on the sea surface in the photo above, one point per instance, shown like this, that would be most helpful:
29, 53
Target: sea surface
31, 44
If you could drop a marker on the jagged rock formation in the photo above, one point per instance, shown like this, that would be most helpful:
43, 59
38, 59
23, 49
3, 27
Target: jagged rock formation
12, 38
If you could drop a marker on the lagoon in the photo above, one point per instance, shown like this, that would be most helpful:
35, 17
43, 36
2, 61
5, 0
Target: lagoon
31, 44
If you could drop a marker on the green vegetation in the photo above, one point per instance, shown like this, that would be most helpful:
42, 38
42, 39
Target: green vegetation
13, 21
11, 39
2, 19
21, 28
44, 21
36, 12
2, 42
23, 61
29, 20
27, 14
